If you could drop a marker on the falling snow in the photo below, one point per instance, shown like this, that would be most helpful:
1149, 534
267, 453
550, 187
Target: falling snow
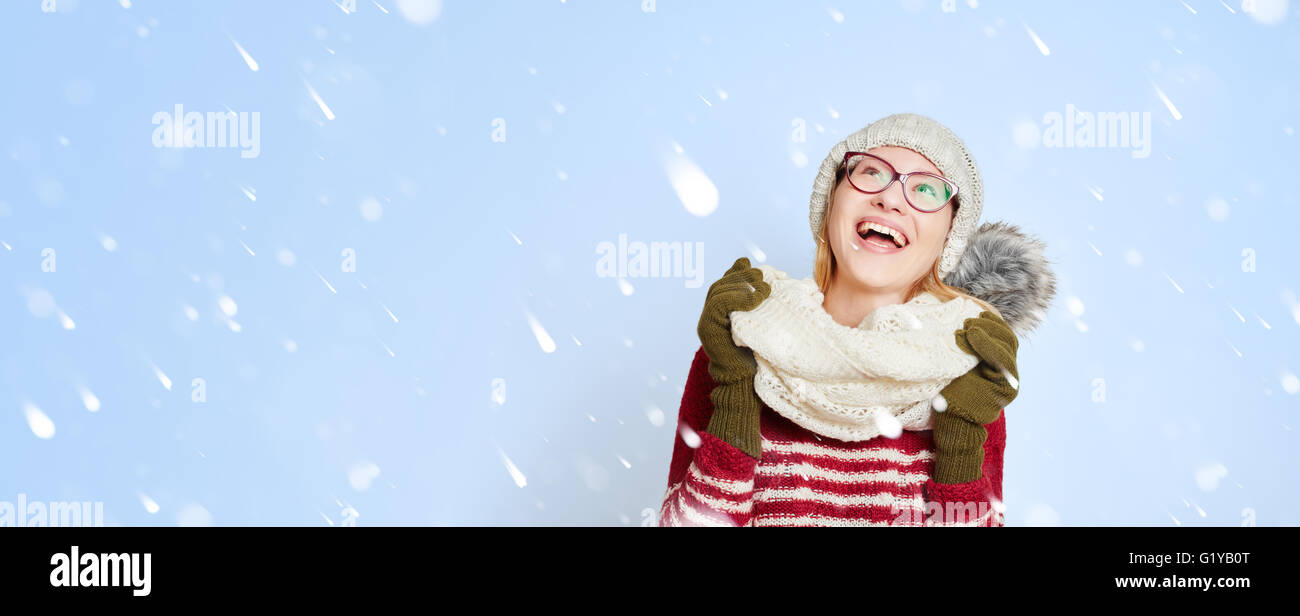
329, 115
38, 421
252, 64
1290, 383
693, 187
125, 281
90, 400
515, 474
543, 339
1042, 47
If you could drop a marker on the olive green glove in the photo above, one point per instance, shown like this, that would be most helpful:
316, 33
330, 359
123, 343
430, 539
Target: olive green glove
735, 404
975, 398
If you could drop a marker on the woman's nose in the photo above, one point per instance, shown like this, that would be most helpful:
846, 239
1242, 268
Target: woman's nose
892, 198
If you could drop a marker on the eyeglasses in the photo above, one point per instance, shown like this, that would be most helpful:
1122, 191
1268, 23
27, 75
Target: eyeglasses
926, 192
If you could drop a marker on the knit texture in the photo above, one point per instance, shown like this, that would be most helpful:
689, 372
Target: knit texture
740, 289
930, 139
803, 479
852, 384
975, 398
738, 423
959, 449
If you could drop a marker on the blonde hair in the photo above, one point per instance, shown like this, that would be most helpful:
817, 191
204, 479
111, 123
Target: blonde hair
824, 265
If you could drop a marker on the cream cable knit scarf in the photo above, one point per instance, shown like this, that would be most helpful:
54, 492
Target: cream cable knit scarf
852, 384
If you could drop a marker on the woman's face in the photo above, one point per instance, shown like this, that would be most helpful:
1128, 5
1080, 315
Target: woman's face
874, 262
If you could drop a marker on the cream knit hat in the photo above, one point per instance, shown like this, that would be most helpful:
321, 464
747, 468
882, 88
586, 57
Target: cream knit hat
929, 139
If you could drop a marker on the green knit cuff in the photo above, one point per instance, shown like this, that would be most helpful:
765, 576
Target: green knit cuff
736, 417
975, 398
958, 449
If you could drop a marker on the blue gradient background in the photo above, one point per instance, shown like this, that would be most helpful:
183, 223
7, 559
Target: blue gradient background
279, 433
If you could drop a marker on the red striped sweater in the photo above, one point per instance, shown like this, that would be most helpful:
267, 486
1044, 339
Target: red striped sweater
804, 479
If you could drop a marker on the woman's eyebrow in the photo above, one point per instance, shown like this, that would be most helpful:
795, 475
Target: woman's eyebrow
898, 169
938, 173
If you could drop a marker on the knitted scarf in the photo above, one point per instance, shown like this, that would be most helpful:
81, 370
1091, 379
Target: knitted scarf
852, 384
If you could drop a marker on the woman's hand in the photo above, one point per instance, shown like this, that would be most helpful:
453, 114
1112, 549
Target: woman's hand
740, 289
735, 404
990, 339
975, 398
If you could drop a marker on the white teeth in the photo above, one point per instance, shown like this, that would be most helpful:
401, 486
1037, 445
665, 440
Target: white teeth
879, 228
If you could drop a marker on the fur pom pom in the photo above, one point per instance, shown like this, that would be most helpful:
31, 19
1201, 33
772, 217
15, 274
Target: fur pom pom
1006, 268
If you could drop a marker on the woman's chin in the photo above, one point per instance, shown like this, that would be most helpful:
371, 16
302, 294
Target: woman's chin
874, 280
873, 266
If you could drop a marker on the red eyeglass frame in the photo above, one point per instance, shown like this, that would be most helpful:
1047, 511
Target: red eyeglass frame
901, 178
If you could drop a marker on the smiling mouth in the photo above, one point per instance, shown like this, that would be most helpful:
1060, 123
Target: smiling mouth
881, 235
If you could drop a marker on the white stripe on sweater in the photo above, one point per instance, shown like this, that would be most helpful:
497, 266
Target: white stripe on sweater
741, 505
696, 517
812, 496
812, 472
808, 448
667, 516
739, 488
813, 520
678, 511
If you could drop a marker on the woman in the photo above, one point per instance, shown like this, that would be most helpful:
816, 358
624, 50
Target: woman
872, 393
